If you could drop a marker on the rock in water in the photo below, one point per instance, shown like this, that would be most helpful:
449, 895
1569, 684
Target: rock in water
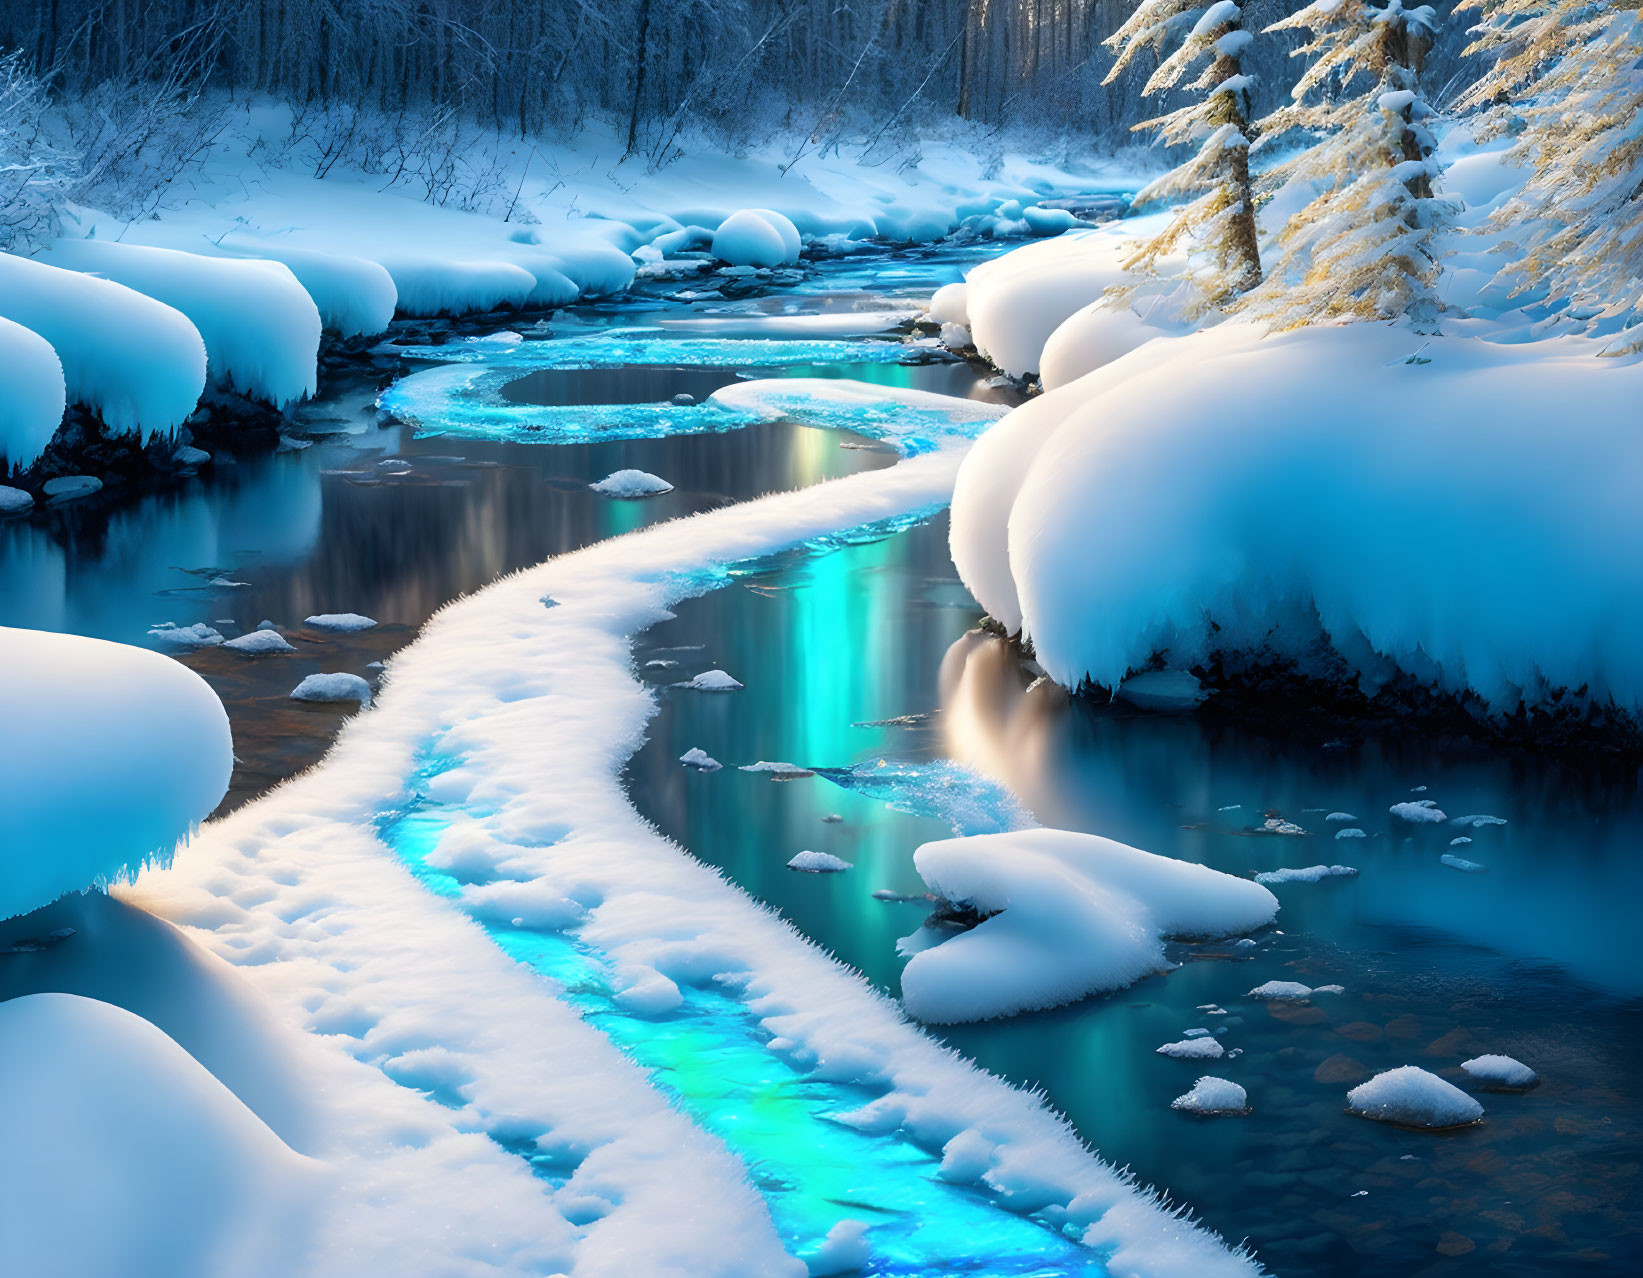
818, 863
333, 687
1193, 1049
632, 483
1211, 1095
1413, 1097
1500, 1073
344, 623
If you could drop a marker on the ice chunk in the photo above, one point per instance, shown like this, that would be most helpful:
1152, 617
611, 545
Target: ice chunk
185, 638
1211, 1095
712, 681
698, 758
1462, 864
1460, 842
1277, 825
1282, 992
109, 755
1500, 1073
844, 1251
1477, 822
1311, 874
1193, 1049
1350, 832
258, 641
818, 863
339, 622
1063, 915
1340, 816
1419, 812
1413, 1097
333, 687
632, 483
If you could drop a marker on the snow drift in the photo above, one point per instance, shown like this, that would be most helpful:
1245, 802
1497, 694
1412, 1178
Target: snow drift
109, 755
1402, 498
1066, 915
261, 329
355, 297
31, 394
124, 1156
756, 237
135, 362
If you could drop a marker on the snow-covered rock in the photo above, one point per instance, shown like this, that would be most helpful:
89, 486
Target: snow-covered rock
1340, 816
1419, 812
1064, 915
818, 863
845, 1250
1475, 821
1211, 1095
136, 362
186, 638
756, 237
109, 756
32, 395
1282, 992
1413, 1097
1500, 1073
631, 483
1204, 1047
1350, 832
70, 487
333, 687
261, 329
124, 1156
700, 759
260, 641
1311, 874
712, 681
15, 501
1138, 510
340, 622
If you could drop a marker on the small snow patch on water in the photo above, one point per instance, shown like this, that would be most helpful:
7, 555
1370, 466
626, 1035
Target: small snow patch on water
1502, 1072
1311, 874
818, 863
632, 484
1193, 1049
1211, 1095
712, 681
342, 623
1419, 812
186, 638
1282, 992
1350, 832
700, 759
1462, 864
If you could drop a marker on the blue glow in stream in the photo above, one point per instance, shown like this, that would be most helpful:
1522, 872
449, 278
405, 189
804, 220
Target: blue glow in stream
711, 1055
619, 347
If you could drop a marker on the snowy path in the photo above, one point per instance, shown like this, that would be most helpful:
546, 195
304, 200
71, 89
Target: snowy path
509, 1065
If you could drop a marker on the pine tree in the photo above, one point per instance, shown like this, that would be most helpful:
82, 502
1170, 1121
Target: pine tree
1363, 247
1219, 216
1579, 216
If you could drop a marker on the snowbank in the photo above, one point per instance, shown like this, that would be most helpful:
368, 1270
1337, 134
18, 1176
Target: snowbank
32, 395
1413, 1097
1092, 338
135, 362
1066, 915
261, 329
109, 756
537, 709
124, 1156
431, 284
1324, 483
355, 297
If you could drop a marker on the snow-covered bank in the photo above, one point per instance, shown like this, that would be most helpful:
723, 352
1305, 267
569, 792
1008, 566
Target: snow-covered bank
1424, 506
110, 755
534, 710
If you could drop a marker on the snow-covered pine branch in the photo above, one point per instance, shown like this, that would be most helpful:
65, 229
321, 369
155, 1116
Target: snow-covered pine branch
1576, 67
1218, 217
1363, 246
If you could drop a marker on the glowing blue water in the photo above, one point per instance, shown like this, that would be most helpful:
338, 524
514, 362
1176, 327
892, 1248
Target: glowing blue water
712, 1056
619, 347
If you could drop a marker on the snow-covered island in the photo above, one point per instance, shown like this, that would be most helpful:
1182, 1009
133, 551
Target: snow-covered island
452, 456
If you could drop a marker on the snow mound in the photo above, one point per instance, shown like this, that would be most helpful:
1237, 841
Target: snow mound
756, 237
843, 1251
1064, 915
32, 395
818, 863
1420, 812
355, 297
712, 681
109, 756
1282, 992
333, 687
432, 284
1092, 338
1340, 816
260, 327
700, 759
949, 305
1202, 1048
186, 638
1350, 832
1140, 510
1501, 1073
135, 362
345, 623
1413, 1097
1311, 874
631, 483
124, 1156
1211, 1095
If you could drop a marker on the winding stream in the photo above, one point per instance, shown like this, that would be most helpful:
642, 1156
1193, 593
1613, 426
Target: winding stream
858, 657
